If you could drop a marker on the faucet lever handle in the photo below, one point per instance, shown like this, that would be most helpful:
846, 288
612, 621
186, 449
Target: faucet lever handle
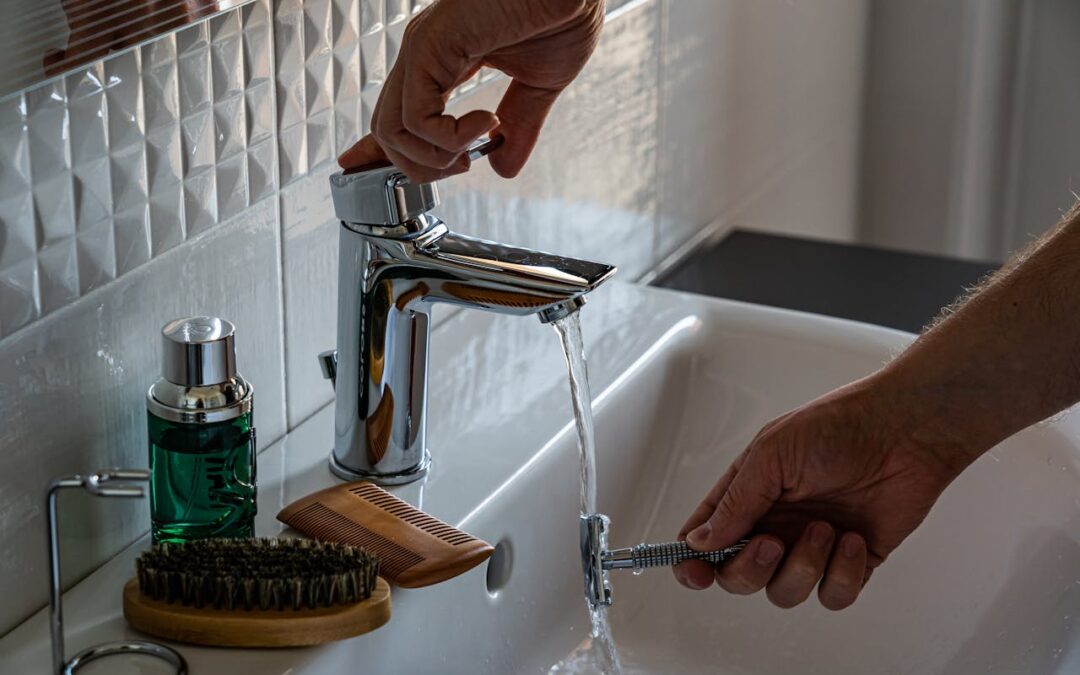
484, 146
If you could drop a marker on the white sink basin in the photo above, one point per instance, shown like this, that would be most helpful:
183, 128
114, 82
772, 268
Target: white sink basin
989, 583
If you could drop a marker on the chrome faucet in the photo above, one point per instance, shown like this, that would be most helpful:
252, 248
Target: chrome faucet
395, 261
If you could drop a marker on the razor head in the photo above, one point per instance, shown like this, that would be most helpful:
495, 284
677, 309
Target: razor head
594, 529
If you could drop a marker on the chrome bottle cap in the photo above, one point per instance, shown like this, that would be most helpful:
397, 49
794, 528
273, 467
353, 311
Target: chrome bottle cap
198, 351
199, 381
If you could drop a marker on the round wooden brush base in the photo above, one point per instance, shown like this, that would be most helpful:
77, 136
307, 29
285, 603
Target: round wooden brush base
255, 628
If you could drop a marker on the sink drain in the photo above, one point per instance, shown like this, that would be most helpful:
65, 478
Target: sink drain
499, 567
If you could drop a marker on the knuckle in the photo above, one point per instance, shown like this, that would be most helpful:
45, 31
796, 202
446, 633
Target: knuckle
804, 569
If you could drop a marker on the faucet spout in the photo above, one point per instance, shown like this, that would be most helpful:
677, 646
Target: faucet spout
396, 261
506, 279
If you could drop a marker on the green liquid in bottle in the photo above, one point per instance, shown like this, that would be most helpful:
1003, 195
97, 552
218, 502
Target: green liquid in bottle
202, 479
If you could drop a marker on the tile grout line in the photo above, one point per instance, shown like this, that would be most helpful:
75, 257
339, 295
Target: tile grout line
279, 222
661, 134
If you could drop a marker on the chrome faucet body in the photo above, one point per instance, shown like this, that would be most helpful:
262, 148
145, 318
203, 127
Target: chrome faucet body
395, 261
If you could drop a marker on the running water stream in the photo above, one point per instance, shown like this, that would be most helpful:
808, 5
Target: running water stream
597, 653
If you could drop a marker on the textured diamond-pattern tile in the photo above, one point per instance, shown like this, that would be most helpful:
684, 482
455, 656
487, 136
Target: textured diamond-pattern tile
320, 138
256, 39
371, 16
19, 299
54, 208
259, 111
17, 232
193, 51
200, 201
124, 92
131, 231
18, 235
96, 255
59, 274
197, 135
167, 227
292, 152
227, 65
87, 115
49, 131
230, 126
232, 186
92, 191
129, 183
15, 178
289, 55
161, 97
125, 158
261, 170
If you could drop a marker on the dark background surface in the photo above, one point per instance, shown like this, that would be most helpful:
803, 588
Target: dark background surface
888, 288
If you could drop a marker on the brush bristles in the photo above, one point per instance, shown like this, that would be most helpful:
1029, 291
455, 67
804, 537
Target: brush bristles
257, 573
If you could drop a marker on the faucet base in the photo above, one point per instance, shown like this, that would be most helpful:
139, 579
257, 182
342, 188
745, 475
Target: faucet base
401, 478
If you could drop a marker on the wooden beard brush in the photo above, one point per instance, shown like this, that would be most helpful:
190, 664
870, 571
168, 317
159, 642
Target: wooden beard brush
256, 592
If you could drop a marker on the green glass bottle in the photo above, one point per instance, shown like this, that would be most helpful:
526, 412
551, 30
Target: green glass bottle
201, 437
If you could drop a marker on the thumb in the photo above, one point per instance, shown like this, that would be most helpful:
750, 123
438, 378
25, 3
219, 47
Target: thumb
363, 153
521, 114
752, 492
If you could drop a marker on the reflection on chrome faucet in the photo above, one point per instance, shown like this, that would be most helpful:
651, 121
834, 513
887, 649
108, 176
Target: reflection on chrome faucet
395, 261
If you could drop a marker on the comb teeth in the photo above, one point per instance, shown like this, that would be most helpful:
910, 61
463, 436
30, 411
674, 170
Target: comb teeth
414, 549
322, 523
410, 514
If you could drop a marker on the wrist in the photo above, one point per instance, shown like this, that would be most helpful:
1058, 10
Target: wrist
924, 414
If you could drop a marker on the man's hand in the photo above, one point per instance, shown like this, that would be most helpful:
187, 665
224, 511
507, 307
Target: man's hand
541, 44
835, 485
839, 483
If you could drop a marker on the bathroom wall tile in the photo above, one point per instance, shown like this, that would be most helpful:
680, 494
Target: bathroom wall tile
310, 261
759, 117
92, 190
200, 201
58, 274
262, 170
161, 96
96, 255
129, 147
94, 360
123, 89
231, 183
259, 111
87, 114
226, 63
20, 302
132, 238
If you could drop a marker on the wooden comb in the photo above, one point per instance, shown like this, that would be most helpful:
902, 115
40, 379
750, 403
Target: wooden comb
413, 548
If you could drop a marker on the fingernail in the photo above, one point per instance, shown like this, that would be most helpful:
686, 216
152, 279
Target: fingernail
821, 535
768, 552
699, 535
852, 546
696, 586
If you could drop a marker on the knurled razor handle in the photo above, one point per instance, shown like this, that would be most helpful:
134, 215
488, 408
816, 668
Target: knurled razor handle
664, 555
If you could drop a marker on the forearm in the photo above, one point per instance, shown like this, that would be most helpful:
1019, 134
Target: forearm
1006, 357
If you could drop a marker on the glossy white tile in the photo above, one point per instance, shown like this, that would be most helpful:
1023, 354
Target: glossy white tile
310, 260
